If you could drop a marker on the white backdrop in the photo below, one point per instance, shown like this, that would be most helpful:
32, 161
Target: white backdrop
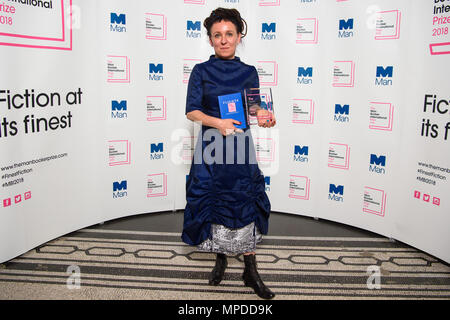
92, 125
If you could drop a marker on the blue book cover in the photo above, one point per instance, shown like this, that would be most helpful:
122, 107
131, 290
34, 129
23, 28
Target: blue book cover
231, 107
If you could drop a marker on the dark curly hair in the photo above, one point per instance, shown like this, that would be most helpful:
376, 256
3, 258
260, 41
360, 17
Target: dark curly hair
231, 15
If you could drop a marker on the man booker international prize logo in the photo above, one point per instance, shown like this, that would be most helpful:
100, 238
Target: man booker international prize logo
381, 116
156, 108
344, 74
339, 156
156, 185
299, 187
37, 24
188, 65
118, 69
374, 201
303, 111
307, 31
119, 152
155, 26
267, 72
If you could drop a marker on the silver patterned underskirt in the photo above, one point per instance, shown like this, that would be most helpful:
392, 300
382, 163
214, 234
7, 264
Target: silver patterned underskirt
231, 241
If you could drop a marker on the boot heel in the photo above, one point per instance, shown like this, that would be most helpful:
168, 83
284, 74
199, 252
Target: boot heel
252, 279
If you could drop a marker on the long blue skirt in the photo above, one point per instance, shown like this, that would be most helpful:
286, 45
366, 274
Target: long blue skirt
225, 186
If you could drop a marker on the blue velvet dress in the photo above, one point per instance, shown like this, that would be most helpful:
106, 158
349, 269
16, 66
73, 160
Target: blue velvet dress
220, 192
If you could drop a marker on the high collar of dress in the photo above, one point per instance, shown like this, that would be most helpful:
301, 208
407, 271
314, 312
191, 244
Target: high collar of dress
214, 58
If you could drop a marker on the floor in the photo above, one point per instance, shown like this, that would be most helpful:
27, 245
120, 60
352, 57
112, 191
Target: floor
280, 224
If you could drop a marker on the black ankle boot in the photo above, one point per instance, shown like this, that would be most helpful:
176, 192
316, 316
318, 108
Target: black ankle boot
252, 279
219, 269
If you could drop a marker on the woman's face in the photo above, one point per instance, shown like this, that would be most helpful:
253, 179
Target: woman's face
224, 39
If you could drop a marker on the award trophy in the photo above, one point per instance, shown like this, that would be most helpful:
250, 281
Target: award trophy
259, 105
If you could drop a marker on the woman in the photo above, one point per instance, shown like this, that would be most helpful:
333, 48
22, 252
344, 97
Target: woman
227, 208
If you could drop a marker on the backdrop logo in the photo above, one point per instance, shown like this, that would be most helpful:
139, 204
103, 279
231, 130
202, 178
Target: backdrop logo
188, 66
43, 24
307, 31
155, 26
156, 108
345, 28
193, 29
303, 111
156, 185
267, 72
200, 2
336, 193
383, 75
377, 164
381, 116
118, 69
301, 153
304, 75
265, 149
156, 151
341, 113
267, 183
339, 156
119, 152
118, 22
269, 2
268, 31
119, 109
374, 201
120, 189
156, 72
299, 187
388, 24
344, 74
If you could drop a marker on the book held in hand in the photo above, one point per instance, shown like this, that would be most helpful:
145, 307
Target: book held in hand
231, 107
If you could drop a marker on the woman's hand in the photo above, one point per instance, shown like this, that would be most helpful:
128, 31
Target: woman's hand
265, 118
226, 126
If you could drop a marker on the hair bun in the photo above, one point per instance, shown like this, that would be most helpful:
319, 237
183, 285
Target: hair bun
225, 14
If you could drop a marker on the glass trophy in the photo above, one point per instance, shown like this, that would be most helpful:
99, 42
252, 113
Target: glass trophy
259, 105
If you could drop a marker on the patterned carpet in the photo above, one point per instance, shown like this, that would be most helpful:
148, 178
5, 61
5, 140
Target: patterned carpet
95, 263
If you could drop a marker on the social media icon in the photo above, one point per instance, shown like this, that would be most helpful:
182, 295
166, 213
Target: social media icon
18, 198
7, 202
436, 201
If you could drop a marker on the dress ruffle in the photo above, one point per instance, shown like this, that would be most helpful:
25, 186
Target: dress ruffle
232, 195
